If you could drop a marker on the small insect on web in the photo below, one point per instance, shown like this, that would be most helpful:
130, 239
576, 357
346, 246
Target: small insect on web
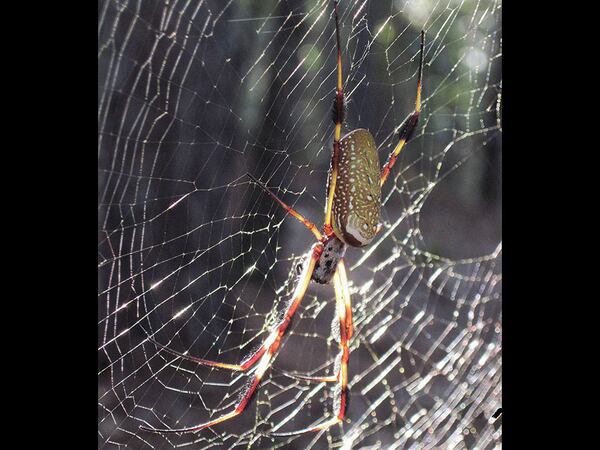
352, 210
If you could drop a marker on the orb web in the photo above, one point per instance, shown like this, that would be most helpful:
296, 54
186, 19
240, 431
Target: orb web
191, 96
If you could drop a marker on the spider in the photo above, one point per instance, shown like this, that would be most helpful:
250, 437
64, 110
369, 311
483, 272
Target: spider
351, 219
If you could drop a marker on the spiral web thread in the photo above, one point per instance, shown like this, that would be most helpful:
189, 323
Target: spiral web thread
194, 94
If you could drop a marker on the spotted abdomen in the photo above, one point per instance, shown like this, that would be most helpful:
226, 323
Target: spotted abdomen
357, 196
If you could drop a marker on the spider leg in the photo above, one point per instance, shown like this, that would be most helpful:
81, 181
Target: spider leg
346, 298
338, 118
325, 379
307, 223
341, 269
410, 123
237, 367
269, 348
344, 312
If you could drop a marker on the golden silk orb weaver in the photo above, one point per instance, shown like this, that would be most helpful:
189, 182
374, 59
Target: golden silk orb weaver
351, 219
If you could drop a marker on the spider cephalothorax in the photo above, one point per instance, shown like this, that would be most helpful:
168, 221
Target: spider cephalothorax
351, 219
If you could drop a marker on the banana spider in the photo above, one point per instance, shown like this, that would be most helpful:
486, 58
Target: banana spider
351, 219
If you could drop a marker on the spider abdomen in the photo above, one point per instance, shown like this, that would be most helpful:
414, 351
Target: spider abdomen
357, 196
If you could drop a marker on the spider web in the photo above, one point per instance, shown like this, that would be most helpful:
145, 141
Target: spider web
191, 96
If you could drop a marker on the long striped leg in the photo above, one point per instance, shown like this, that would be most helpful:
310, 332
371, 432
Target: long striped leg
338, 118
249, 361
344, 312
346, 297
349, 327
307, 223
242, 367
410, 123
268, 349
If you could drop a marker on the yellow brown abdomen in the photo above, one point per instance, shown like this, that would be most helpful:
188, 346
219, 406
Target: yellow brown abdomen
357, 196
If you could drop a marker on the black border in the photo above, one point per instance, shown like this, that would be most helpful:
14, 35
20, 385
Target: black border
48, 210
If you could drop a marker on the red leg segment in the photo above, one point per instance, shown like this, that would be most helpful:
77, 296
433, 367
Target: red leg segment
267, 350
344, 312
307, 223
